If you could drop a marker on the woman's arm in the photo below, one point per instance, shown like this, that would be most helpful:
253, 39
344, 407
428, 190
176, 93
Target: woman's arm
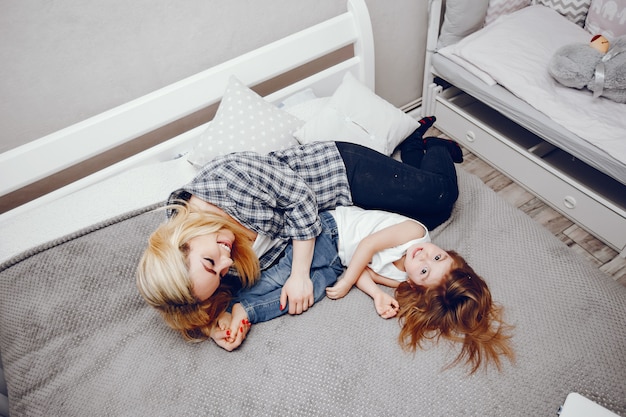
300, 216
263, 194
298, 290
388, 237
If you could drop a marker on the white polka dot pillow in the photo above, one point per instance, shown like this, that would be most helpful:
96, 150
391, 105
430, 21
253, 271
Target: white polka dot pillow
354, 113
244, 122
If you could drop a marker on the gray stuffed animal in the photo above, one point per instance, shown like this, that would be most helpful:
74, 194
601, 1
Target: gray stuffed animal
587, 66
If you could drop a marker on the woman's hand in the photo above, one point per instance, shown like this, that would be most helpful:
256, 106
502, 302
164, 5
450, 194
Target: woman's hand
231, 329
297, 293
298, 289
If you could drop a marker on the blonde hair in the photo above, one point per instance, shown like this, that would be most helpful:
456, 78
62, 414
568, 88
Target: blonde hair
163, 275
460, 310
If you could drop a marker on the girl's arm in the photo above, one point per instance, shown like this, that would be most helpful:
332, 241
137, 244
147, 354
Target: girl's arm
387, 282
386, 306
388, 237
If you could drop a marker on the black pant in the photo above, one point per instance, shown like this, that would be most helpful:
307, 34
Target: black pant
423, 188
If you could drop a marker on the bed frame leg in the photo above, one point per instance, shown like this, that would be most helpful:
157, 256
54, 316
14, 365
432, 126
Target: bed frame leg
429, 88
428, 101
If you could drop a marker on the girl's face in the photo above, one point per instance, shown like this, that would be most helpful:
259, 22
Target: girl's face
209, 260
427, 264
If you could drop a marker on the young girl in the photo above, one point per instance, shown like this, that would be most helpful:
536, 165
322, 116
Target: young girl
438, 293
460, 309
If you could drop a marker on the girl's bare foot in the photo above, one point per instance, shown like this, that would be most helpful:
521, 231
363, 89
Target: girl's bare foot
239, 324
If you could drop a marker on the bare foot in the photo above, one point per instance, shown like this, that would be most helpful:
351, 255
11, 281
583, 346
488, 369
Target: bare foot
239, 323
223, 321
233, 336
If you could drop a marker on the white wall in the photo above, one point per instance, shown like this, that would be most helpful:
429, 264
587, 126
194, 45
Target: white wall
62, 61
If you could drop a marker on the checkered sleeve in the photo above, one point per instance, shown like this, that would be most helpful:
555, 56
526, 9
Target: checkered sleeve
275, 199
278, 194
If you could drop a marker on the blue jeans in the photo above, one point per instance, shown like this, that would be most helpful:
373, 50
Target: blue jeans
262, 300
423, 188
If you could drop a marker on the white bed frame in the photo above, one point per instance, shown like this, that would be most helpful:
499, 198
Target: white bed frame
26, 164
523, 156
80, 204
29, 163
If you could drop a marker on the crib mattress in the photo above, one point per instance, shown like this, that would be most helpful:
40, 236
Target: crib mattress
519, 111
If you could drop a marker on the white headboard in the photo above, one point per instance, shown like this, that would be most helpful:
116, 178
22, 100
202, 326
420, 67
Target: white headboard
50, 154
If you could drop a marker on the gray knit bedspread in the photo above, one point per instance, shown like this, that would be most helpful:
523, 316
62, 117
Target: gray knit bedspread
76, 338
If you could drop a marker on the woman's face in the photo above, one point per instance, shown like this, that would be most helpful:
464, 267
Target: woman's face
427, 264
209, 260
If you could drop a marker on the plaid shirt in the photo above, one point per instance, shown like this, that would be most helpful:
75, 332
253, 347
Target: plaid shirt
279, 194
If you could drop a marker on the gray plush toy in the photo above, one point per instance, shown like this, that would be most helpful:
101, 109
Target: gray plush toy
594, 67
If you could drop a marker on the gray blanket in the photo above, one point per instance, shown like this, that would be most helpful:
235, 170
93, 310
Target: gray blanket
77, 339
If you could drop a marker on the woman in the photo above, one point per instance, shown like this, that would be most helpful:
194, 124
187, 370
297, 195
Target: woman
277, 198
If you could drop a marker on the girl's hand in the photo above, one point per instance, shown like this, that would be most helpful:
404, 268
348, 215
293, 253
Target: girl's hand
339, 290
386, 306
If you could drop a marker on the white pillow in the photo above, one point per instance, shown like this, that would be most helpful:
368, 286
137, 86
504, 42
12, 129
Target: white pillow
308, 109
355, 114
244, 122
462, 17
300, 97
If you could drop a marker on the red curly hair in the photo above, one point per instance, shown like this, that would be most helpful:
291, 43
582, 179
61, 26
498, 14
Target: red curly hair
460, 310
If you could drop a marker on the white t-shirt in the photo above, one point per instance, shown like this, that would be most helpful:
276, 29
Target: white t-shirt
355, 223
263, 244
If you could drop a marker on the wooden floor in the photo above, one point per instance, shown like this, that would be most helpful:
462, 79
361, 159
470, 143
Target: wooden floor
607, 259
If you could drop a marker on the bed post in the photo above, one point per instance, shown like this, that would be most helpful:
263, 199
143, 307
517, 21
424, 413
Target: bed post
364, 47
429, 89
